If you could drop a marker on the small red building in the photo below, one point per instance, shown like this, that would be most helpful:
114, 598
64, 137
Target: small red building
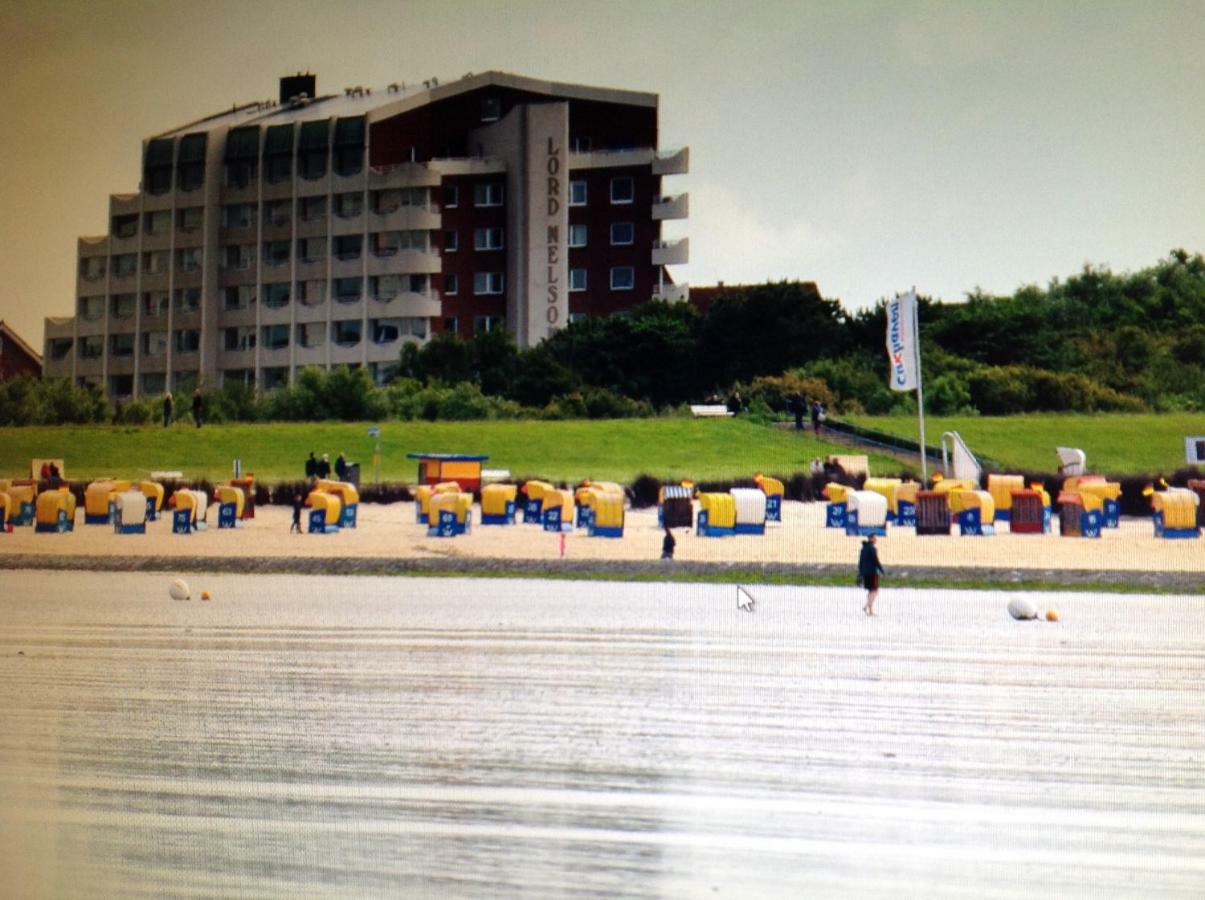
17, 358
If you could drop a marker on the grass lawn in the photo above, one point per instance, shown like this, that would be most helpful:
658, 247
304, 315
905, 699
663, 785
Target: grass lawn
1116, 444
616, 450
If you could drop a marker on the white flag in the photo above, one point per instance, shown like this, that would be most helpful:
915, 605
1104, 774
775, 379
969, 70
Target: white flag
902, 349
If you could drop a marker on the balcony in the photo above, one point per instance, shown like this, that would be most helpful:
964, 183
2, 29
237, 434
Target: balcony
404, 218
404, 262
676, 207
124, 204
59, 327
671, 253
672, 162
467, 165
672, 293
611, 159
402, 175
408, 304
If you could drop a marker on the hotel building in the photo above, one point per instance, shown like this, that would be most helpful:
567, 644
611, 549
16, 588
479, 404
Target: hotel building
325, 230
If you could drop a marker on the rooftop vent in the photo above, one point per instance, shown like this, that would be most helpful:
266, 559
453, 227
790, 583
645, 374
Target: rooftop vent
297, 86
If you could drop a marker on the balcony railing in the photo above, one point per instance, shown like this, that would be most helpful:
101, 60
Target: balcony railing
675, 207
671, 253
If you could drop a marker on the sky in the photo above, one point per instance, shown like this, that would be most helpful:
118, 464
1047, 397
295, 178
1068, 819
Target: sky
869, 147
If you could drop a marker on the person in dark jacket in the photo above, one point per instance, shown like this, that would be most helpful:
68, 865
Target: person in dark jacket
667, 544
311, 467
341, 468
297, 504
167, 409
817, 416
198, 406
869, 570
797, 406
324, 467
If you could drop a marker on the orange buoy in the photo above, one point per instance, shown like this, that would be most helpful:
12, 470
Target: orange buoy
204, 595
1052, 615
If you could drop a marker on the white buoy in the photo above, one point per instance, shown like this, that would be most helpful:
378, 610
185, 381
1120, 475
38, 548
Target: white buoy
1020, 608
179, 589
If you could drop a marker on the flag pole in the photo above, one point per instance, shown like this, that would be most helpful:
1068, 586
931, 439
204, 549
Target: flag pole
920, 391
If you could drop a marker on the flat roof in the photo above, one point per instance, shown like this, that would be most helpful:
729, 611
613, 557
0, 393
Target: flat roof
400, 97
448, 457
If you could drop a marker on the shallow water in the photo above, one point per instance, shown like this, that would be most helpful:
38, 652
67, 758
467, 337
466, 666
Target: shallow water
371, 736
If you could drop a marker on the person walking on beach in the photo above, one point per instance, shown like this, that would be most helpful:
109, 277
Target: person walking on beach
869, 570
167, 409
296, 526
198, 406
667, 544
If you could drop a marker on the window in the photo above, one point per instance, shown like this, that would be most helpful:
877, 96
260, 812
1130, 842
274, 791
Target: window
488, 194
311, 209
311, 250
451, 284
240, 298
187, 340
154, 382
313, 147
124, 306
347, 290
491, 109
623, 189
451, 196
622, 233
577, 280
154, 343
92, 347
188, 259
385, 287
386, 331
157, 165
276, 337
235, 340
348, 206
92, 268
577, 235
190, 162
157, 222
238, 256
487, 283
59, 348
311, 293
189, 218
275, 376
349, 145
121, 345
278, 153
91, 308
577, 193
242, 155
238, 215
348, 246
155, 304
346, 333
452, 324
576, 317
623, 278
121, 385
244, 377
276, 253
580, 144
276, 295
188, 299
123, 227
487, 239
155, 262
125, 265
278, 212
482, 324
311, 334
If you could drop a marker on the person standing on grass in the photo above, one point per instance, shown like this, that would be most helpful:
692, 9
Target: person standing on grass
817, 416
869, 570
167, 409
198, 406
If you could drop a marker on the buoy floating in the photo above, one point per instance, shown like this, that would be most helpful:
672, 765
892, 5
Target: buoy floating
204, 595
1020, 608
179, 589
1052, 615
